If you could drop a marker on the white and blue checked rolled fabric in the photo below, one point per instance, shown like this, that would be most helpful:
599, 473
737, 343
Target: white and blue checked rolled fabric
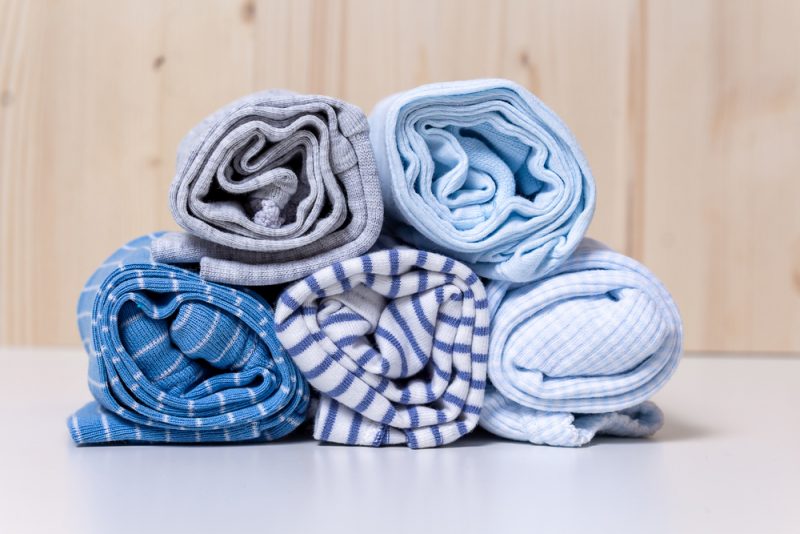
505, 418
597, 335
173, 358
483, 172
396, 342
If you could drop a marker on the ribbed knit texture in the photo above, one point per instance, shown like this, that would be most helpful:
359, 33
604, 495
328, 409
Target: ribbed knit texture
272, 187
396, 341
483, 172
505, 418
173, 358
597, 335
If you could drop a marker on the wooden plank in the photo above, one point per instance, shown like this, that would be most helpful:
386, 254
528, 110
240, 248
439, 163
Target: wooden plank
574, 55
97, 98
18, 96
721, 203
577, 57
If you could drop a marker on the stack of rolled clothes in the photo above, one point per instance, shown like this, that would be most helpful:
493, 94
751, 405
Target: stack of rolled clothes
481, 304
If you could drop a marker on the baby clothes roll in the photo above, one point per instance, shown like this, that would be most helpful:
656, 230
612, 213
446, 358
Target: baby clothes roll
273, 187
483, 172
396, 342
599, 335
173, 358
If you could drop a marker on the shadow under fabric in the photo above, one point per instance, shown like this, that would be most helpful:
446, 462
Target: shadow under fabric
273, 187
580, 351
173, 358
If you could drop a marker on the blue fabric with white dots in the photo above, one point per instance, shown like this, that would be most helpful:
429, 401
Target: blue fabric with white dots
173, 358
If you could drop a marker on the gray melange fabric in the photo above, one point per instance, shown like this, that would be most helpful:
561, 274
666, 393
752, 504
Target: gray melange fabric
273, 187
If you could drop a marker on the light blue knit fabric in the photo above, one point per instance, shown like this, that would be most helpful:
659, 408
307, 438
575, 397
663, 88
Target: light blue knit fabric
483, 172
173, 358
597, 335
396, 341
508, 419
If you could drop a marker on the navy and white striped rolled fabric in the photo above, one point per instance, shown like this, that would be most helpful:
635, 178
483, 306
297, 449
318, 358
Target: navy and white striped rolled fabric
598, 335
396, 341
173, 358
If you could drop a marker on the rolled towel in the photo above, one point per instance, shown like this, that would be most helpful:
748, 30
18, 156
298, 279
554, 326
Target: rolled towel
173, 358
597, 335
273, 187
396, 341
484, 172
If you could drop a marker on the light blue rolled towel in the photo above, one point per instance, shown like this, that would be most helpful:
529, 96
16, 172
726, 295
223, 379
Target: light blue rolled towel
484, 172
580, 351
173, 358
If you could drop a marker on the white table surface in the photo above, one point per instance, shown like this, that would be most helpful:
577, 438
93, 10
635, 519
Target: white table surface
727, 460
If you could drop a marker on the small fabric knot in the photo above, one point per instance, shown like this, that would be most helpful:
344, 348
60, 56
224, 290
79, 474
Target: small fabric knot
269, 215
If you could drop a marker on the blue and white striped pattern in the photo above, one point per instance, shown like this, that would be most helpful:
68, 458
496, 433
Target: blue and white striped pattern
396, 341
173, 358
504, 417
597, 335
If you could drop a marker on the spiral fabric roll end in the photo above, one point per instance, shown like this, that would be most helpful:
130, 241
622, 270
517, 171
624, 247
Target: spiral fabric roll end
580, 351
273, 187
396, 342
484, 172
173, 358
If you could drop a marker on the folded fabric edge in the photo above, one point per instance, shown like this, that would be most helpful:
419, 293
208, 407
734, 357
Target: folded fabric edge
94, 425
509, 420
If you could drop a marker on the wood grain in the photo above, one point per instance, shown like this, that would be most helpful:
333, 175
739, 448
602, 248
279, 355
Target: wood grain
689, 118
721, 205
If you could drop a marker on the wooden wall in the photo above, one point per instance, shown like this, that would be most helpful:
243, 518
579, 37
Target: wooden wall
689, 112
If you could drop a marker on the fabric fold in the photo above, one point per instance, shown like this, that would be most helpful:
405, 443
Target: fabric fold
483, 172
598, 335
507, 419
273, 187
173, 358
396, 342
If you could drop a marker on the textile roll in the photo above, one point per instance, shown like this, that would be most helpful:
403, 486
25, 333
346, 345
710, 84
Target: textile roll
507, 419
273, 187
396, 341
483, 172
173, 358
597, 335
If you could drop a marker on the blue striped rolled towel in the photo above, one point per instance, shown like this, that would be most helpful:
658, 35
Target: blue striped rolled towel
396, 341
173, 358
273, 187
483, 172
579, 351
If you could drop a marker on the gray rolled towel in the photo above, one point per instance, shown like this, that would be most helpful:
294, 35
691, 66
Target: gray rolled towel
273, 187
